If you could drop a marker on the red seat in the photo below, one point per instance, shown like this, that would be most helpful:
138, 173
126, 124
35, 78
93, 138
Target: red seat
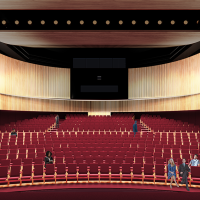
38, 161
149, 160
115, 171
5, 162
38, 172
72, 171
94, 172
50, 173
82, 172
3, 174
14, 175
27, 161
126, 174
26, 173
137, 172
104, 172
148, 172
61, 172
160, 174
160, 160
195, 175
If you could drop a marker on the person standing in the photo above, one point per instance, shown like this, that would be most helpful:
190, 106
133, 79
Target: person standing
172, 172
13, 133
183, 171
135, 128
57, 121
195, 162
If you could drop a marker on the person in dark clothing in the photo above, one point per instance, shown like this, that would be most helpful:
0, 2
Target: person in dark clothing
57, 121
48, 159
135, 128
13, 133
183, 171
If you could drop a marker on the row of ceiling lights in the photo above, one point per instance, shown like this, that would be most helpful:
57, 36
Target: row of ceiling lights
95, 22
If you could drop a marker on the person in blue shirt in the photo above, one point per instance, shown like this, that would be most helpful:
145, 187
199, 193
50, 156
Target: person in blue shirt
135, 128
172, 172
13, 133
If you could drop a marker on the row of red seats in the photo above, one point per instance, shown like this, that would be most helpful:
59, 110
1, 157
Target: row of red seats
89, 172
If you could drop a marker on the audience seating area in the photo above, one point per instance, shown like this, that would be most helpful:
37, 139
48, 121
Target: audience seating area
96, 149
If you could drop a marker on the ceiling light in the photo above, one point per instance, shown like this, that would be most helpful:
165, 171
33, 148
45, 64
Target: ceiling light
3, 22
55, 22
16, 22
81, 22
185, 22
68, 22
146, 22
172, 22
94, 22
29, 22
107, 22
159, 22
120, 22
133, 22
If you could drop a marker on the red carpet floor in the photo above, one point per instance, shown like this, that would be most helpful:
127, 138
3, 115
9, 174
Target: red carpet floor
98, 192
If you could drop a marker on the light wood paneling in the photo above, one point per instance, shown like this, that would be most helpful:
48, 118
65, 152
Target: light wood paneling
169, 80
100, 4
95, 38
171, 104
30, 80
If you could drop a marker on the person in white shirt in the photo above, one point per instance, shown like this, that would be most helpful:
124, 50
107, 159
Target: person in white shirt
195, 161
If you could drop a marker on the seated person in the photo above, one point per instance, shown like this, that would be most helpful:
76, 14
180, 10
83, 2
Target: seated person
13, 133
195, 161
183, 170
48, 159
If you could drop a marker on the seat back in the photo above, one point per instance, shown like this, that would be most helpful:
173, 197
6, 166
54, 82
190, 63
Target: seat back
126, 168
136, 168
93, 168
38, 160
5, 162
159, 169
38, 169
3, 171
27, 170
83, 168
61, 168
148, 169
72, 168
104, 168
15, 170
115, 168
50, 169
28, 161
195, 172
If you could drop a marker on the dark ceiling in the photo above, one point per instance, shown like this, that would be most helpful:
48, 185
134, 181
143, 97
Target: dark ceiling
135, 57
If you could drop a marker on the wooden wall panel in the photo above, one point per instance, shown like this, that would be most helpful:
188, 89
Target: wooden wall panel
169, 80
31, 80
99, 5
167, 104
60, 38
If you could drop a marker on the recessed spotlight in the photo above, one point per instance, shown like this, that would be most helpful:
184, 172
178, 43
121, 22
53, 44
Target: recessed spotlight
55, 22
133, 22
172, 22
197, 21
3, 22
146, 22
159, 22
185, 22
42, 22
68, 22
16, 22
81, 22
94, 22
107, 22
120, 22
29, 22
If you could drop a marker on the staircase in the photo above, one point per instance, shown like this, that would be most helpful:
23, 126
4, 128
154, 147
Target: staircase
54, 128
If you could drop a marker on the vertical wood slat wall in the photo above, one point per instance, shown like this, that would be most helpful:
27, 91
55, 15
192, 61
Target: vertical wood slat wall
173, 79
31, 80
167, 80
